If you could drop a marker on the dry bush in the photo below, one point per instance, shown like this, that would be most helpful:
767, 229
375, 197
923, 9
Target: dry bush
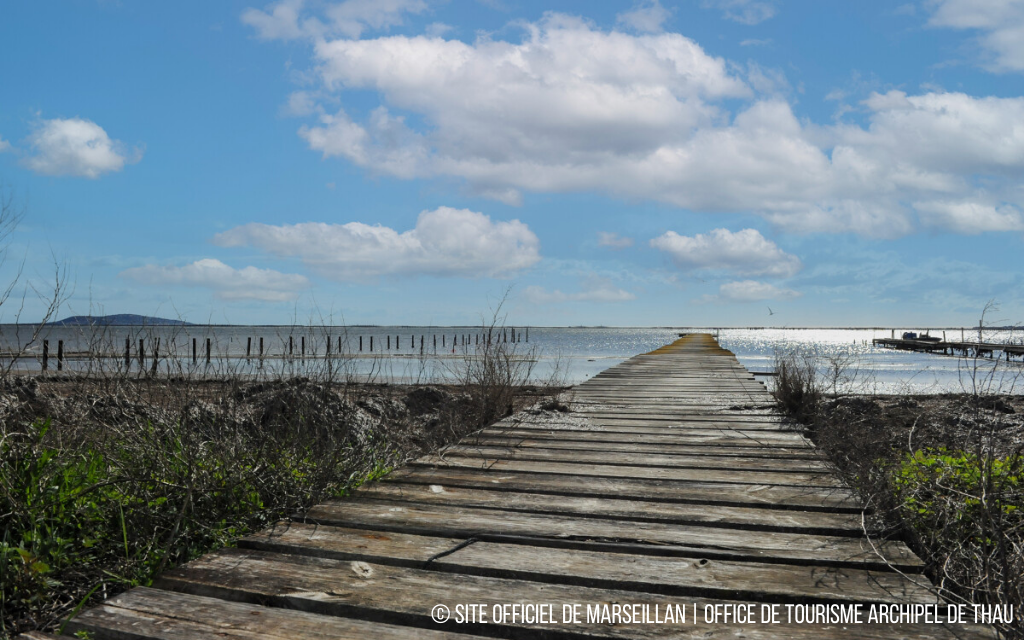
798, 387
943, 473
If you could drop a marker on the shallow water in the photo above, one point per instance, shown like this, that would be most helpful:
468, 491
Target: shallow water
572, 355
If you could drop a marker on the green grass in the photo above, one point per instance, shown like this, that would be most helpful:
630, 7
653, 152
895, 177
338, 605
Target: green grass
107, 514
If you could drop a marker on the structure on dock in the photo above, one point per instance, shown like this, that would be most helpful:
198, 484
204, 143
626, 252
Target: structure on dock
671, 483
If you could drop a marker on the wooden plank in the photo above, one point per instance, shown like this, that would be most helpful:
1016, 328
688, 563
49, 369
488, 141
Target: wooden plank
680, 424
840, 500
720, 542
788, 441
158, 614
669, 576
724, 463
619, 509
748, 449
808, 481
406, 596
731, 419
652, 435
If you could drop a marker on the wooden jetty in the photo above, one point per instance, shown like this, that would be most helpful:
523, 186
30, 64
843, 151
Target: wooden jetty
671, 483
952, 348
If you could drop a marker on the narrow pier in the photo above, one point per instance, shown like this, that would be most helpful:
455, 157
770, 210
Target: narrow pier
670, 483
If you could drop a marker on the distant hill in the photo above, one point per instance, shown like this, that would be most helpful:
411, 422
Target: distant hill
118, 319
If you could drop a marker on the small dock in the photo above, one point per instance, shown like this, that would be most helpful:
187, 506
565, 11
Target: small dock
953, 348
671, 482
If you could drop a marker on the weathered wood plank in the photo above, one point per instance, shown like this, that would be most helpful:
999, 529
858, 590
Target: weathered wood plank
745, 495
406, 596
652, 435
690, 438
695, 577
804, 481
159, 614
720, 541
748, 450
784, 466
618, 509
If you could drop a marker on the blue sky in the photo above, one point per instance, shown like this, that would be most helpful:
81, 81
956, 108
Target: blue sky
411, 161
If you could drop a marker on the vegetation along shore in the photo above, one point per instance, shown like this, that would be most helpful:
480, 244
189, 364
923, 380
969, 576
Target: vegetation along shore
107, 480
945, 473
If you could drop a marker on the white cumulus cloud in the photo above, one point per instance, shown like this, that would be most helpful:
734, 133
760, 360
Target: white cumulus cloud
445, 242
76, 147
970, 218
746, 252
227, 282
4, 145
554, 112
572, 108
1000, 23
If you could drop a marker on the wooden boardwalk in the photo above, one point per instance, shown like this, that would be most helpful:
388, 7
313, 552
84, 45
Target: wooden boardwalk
671, 483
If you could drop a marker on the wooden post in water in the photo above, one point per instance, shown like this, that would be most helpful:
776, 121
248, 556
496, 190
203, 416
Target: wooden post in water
371, 344
303, 339
435, 342
46, 354
156, 355
328, 346
360, 343
421, 345
127, 354
389, 342
208, 350
291, 345
195, 353
142, 355
261, 349
442, 341
527, 334
248, 348
60, 355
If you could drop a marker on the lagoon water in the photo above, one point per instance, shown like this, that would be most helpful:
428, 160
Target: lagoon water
572, 354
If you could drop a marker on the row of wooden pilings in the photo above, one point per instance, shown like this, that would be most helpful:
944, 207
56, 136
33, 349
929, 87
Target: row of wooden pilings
474, 339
